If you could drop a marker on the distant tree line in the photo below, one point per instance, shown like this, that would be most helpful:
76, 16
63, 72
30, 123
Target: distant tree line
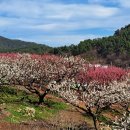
111, 50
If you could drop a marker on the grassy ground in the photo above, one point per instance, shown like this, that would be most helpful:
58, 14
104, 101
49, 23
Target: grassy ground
54, 113
15, 103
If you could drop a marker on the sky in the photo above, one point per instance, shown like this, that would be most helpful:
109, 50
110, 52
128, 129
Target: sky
62, 22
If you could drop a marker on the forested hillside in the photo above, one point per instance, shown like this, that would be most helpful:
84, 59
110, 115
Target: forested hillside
111, 50
108, 50
8, 45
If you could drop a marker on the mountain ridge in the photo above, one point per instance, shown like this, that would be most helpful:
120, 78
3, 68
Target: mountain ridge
15, 45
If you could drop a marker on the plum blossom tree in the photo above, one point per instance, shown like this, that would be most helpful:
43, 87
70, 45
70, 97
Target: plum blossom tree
99, 89
101, 75
6, 65
99, 97
122, 123
37, 72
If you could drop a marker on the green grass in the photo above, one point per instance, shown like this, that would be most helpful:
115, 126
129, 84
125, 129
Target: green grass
13, 103
17, 99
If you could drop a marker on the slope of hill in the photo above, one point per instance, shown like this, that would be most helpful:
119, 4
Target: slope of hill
111, 50
8, 45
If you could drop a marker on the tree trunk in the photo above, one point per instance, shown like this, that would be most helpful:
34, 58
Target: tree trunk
41, 99
95, 122
94, 118
42, 96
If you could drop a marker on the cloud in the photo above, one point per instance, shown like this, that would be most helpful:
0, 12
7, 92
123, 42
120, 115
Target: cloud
48, 20
121, 3
33, 9
124, 3
4, 22
106, 2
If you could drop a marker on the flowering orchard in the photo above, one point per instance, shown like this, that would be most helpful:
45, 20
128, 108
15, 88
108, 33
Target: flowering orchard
37, 72
97, 87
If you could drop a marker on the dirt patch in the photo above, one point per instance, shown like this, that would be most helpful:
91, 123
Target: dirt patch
68, 116
64, 119
8, 126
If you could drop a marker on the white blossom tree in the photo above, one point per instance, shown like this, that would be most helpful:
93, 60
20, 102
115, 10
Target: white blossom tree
96, 94
37, 72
